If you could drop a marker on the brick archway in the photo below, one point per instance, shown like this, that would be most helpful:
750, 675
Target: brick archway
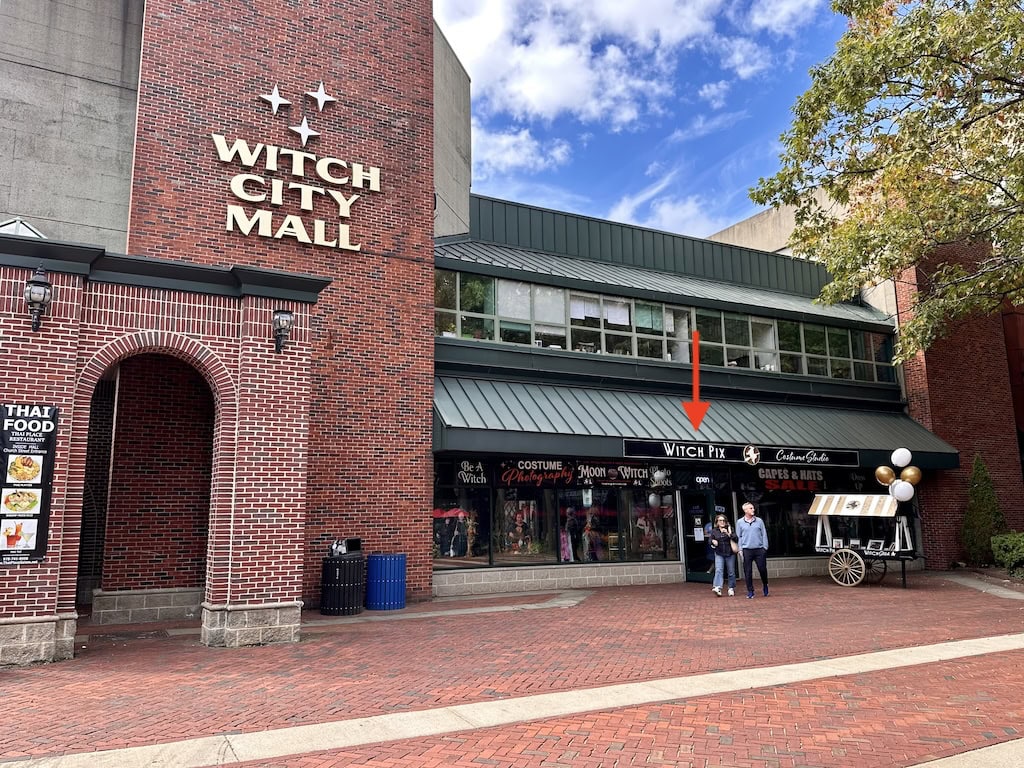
223, 387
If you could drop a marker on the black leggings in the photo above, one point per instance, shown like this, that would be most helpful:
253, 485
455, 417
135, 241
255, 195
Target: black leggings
751, 556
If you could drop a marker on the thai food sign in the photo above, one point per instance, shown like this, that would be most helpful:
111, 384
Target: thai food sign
28, 439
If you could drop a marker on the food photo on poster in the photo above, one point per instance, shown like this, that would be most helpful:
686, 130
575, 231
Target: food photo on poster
24, 469
20, 500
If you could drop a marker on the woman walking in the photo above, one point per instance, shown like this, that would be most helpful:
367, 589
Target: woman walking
722, 539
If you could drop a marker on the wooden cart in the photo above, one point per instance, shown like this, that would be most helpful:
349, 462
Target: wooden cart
854, 560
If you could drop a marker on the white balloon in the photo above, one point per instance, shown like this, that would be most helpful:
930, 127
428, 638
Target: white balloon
659, 476
901, 490
901, 457
654, 499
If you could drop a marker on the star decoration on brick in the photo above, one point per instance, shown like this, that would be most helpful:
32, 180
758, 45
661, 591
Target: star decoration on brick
275, 100
304, 131
320, 96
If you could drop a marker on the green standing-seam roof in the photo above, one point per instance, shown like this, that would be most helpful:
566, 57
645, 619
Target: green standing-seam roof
476, 414
670, 287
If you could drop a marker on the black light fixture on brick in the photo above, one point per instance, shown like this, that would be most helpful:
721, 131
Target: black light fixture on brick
284, 320
38, 293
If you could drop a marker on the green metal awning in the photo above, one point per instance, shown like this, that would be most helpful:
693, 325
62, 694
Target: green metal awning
476, 415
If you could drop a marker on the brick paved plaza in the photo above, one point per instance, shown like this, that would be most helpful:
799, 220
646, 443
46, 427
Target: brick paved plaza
157, 684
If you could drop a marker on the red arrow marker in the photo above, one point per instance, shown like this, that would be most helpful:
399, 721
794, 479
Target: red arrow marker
696, 410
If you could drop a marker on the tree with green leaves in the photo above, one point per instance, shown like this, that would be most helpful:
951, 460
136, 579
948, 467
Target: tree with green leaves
983, 518
911, 138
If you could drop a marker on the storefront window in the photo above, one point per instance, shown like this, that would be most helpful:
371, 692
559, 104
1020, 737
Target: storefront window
518, 312
618, 345
462, 527
737, 330
649, 319
476, 294
477, 327
791, 363
677, 327
650, 348
789, 336
514, 299
444, 323
615, 512
444, 289
526, 531
814, 340
709, 324
617, 315
550, 336
585, 311
515, 333
549, 304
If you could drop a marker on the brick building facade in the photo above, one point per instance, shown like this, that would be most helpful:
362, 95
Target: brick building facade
255, 157
232, 466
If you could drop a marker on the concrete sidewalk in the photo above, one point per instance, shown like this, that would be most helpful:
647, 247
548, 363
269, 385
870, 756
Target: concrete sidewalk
885, 675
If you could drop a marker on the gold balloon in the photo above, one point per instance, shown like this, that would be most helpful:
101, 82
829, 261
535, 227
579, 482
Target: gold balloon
885, 475
911, 474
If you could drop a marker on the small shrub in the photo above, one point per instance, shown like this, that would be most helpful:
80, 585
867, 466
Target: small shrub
1008, 549
983, 518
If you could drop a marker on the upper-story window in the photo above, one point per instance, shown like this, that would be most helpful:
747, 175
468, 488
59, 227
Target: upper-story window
517, 312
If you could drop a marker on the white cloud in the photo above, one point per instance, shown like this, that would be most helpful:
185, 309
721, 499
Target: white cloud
596, 60
743, 56
529, 190
702, 126
686, 216
658, 208
497, 153
625, 209
714, 93
782, 17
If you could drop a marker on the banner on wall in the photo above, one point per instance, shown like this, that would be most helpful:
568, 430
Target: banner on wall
559, 473
28, 439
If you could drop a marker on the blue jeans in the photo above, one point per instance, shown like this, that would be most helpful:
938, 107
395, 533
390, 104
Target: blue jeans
721, 562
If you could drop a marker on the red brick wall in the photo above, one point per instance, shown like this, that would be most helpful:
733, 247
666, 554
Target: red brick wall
159, 502
370, 462
39, 370
960, 389
1013, 329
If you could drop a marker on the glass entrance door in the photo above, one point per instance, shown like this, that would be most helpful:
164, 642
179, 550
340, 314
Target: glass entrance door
698, 512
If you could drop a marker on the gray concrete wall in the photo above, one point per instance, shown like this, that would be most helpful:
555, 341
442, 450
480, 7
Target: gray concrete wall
452, 140
770, 230
68, 83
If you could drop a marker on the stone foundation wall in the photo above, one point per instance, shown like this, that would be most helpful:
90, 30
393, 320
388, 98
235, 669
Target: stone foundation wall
34, 639
238, 626
502, 580
139, 606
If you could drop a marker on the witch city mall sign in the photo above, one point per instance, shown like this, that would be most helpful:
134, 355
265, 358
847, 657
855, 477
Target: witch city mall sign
326, 188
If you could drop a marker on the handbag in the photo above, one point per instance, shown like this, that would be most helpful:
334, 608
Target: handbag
735, 547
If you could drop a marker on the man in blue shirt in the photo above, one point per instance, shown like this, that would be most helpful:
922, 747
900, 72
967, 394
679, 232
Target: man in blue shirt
753, 538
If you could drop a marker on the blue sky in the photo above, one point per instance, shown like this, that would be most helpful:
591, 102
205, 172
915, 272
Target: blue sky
661, 113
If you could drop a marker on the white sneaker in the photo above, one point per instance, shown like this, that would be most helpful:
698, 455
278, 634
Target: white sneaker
732, 592
717, 591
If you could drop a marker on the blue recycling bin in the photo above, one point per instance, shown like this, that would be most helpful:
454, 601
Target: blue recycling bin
385, 582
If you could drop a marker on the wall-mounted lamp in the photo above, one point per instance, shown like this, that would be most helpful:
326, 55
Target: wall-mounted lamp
38, 292
283, 322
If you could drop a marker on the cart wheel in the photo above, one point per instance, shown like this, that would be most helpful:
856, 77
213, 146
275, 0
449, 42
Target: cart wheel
876, 570
846, 568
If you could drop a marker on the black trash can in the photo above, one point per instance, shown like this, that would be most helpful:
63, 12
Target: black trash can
342, 585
